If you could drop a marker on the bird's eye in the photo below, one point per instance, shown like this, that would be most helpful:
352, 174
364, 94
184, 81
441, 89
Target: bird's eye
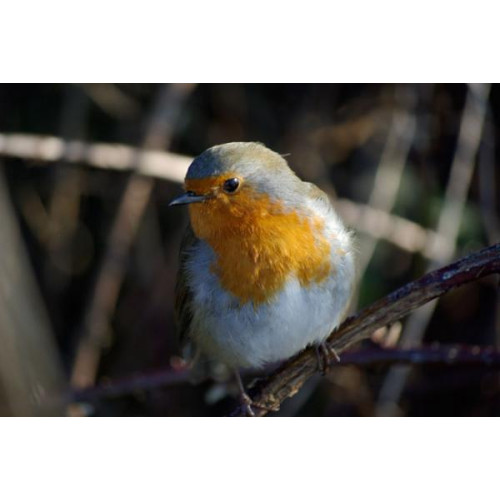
231, 185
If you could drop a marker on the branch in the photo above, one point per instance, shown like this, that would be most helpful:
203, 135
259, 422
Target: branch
389, 173
30, 366
148, 162
289, 378
165, 113
429, 355
376, 223
455, 198
131, 385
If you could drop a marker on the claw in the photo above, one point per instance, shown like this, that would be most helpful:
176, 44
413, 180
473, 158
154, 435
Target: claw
246, 401
324, 354
246, 404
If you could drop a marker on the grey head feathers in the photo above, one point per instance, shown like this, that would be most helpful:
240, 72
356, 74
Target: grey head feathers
261, 167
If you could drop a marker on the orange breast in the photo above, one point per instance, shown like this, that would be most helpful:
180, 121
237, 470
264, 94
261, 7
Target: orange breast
258, 242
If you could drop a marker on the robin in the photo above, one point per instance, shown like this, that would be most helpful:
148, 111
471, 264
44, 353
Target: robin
266, 265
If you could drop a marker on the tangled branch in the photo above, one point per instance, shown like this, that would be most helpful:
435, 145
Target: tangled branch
287, 380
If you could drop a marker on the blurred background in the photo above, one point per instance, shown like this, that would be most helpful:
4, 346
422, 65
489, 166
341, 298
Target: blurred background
88, 245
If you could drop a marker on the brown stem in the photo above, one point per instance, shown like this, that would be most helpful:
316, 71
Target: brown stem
166, 112
428, 354
289, 377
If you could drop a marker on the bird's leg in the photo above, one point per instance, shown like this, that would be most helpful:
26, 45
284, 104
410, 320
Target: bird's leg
245, 399
324, 354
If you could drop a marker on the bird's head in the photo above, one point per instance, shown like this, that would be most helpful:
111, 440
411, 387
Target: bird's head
233, 182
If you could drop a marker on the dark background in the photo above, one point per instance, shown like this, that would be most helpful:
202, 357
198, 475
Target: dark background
102, 244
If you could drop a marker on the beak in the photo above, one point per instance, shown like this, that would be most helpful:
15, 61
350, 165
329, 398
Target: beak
186, 198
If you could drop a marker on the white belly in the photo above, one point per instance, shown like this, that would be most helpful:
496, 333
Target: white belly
297, 316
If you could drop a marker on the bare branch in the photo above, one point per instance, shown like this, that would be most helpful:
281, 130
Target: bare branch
112, 100
148, 162
163, 118
462, 168
289, 378
448, 355
389, 173
131, 385
30, 367
399, 231
376, 223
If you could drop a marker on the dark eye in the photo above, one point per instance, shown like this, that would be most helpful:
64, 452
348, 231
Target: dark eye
231, 185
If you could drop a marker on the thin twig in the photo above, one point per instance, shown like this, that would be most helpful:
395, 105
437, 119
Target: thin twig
30, 366
488, 194
289, 378
132, 385
447, 355
112, 100
374, 222
488, 181
391, 167
462, 168
137, 193
148, 162
64, 208
399, 231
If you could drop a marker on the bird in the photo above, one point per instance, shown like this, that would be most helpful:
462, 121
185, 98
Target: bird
266, 265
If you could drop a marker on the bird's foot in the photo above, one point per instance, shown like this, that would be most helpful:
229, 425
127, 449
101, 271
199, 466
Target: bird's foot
248, 406
324, 354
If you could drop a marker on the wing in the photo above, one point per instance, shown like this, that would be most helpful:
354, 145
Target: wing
316, 193
183, 295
